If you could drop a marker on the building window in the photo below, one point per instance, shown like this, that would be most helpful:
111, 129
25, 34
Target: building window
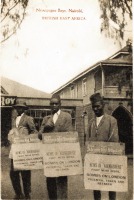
62, 95
72, 92
38, 115
76, 91
84, 87
98, 80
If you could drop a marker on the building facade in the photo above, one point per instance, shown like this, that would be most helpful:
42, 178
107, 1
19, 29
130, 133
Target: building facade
37, 102
113, 79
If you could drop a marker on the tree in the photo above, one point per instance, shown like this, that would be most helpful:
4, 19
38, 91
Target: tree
115, 14
12, 15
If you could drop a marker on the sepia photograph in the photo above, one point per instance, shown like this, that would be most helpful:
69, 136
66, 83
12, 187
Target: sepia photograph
66, 99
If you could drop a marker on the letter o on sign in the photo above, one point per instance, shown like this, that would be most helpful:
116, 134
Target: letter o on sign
7, 101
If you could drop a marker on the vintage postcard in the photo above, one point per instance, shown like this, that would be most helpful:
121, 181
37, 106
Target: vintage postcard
66, 99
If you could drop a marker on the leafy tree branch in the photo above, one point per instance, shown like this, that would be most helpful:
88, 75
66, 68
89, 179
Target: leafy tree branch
12, 14
114, 13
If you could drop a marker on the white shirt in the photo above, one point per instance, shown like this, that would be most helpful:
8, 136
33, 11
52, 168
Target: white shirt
56, 115
18, 120
98, 119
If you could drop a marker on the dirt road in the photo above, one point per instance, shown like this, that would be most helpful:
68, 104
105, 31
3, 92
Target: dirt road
76, 189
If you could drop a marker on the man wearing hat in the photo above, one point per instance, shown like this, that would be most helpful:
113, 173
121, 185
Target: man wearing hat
102, 127
59, 121
23, 124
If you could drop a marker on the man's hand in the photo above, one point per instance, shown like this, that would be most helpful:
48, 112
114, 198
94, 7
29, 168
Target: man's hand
49, 123
12, 134
40, 136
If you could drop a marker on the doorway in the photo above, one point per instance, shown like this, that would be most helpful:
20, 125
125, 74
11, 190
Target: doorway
125, 124
6, 113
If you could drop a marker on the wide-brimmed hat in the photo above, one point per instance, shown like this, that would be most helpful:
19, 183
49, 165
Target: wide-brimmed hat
21, 105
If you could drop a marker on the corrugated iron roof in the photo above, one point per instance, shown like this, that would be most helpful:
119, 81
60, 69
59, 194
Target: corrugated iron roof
17, 89
127, 60
117, 61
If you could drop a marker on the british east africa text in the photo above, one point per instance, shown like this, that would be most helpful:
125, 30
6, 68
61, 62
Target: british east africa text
63, 18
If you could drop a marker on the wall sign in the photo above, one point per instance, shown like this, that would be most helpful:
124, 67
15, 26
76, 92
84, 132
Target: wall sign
8, 100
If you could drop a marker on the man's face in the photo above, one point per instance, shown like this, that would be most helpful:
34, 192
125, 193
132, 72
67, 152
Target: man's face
98, 108
55, 105
20, 110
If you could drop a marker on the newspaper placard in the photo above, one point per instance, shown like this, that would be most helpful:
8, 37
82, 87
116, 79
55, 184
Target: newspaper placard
106, 173
61, 154
28, 155
105, 148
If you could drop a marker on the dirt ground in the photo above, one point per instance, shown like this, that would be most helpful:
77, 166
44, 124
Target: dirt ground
76, 189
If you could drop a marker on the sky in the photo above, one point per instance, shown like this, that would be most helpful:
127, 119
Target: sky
55, 44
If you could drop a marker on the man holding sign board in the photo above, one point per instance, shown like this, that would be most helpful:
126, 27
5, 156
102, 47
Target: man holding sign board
23, 126
59, 121
102, 128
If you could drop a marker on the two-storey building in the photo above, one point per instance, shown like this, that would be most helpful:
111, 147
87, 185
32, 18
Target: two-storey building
113, 79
